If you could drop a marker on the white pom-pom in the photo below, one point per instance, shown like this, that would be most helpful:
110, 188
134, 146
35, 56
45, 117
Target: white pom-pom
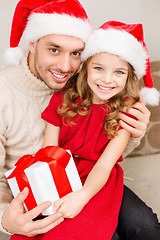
150, 96
13, 56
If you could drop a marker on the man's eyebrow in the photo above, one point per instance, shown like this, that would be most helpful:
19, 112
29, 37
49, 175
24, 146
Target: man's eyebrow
52, 44
79, 49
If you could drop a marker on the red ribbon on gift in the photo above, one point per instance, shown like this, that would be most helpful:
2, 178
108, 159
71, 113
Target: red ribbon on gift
57, 159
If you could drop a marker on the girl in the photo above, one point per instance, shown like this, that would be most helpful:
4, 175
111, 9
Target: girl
83, 118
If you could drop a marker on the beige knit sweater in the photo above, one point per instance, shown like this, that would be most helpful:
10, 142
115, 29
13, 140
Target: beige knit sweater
22, 99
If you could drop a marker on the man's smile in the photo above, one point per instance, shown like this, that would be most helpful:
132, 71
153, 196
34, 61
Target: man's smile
59, 77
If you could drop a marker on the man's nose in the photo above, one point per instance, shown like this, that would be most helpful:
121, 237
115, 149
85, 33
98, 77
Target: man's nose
65, 63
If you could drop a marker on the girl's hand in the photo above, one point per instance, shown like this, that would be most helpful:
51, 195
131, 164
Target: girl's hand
71, 204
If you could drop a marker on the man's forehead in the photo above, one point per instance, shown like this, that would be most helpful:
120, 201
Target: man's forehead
63, 42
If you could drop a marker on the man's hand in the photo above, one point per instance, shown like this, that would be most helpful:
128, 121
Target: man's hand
136, 127
15, 220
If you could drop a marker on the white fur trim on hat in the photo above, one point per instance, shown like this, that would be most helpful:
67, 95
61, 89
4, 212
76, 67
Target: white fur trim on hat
150, 96
13, 55
120, 43
41, 24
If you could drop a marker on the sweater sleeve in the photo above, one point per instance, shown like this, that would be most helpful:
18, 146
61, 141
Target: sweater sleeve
5, 193
132, 144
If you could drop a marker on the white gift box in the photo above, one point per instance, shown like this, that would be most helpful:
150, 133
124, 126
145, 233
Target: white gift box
42, 183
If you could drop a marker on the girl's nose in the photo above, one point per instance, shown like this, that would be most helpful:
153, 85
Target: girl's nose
107, 78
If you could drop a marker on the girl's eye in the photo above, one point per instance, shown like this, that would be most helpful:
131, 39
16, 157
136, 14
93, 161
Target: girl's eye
98, 68
119, 72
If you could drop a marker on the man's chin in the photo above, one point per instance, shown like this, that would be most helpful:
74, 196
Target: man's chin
56, 86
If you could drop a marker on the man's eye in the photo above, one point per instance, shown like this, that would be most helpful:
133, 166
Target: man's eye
76, 53
53, 50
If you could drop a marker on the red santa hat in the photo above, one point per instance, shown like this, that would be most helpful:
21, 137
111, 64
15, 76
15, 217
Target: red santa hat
35, 19
126, 41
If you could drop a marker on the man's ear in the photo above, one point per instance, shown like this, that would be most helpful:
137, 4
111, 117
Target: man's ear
32, 47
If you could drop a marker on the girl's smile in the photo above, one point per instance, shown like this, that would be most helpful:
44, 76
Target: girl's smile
104, 88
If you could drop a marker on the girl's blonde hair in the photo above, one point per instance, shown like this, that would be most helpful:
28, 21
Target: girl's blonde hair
79, 88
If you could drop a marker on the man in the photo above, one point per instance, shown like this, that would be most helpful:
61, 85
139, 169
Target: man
47, 39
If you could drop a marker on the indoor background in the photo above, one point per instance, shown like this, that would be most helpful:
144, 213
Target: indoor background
146, 12
142, 168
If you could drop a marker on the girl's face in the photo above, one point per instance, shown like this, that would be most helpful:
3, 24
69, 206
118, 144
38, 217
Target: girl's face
107, 76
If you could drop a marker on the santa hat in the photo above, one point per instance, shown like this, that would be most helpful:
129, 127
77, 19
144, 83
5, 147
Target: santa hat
35, 19
126, 41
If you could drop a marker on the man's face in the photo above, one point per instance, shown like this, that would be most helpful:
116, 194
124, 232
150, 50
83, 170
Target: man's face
55, 58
